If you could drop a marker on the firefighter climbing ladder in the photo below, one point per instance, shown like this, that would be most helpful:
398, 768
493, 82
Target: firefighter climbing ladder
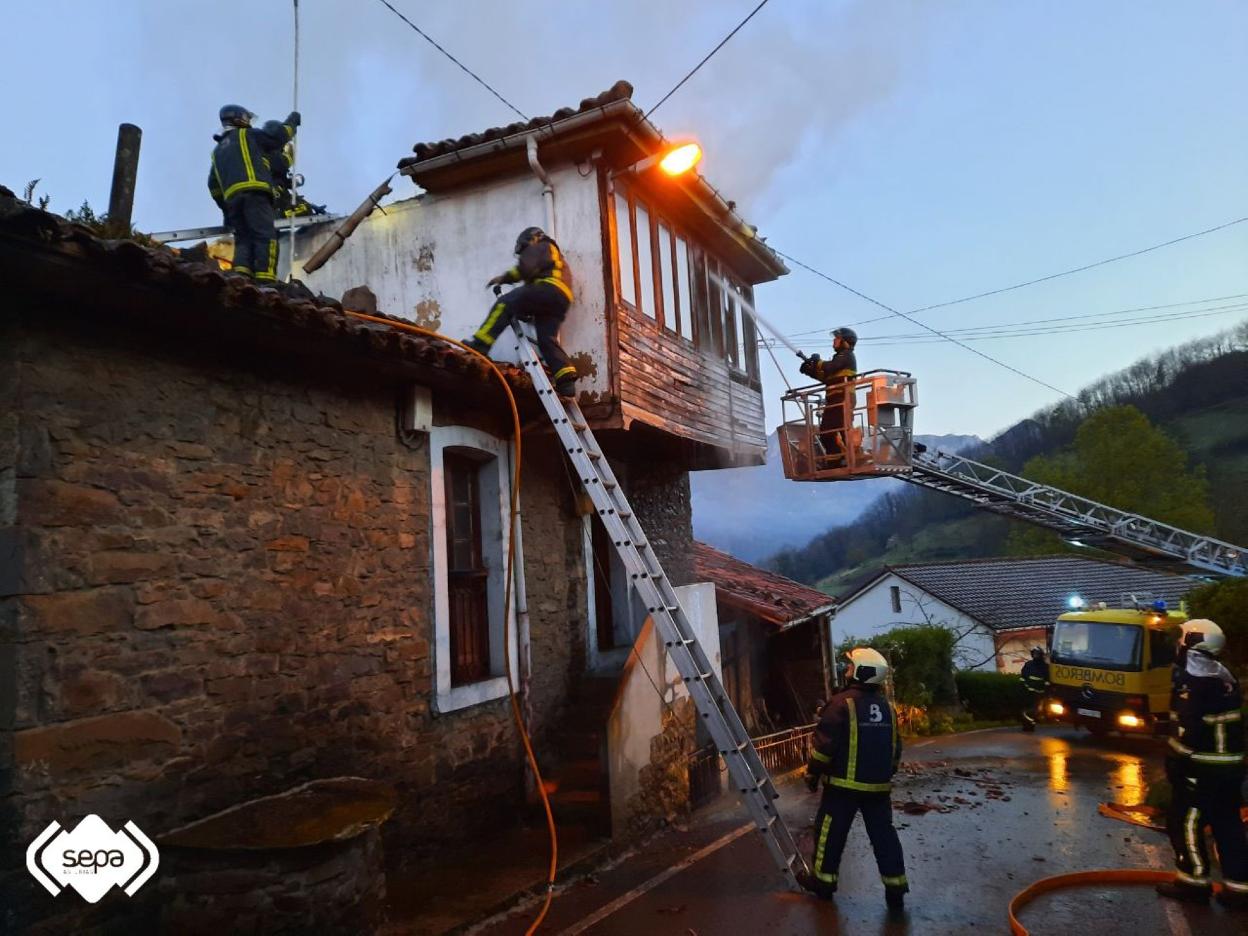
646, 576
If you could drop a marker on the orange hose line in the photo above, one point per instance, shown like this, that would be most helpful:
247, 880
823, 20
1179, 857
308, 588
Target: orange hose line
509, 578
1084, 879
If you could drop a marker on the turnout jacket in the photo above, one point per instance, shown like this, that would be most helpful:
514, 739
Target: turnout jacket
1205, 704
1035, 675
542, 262
856, 744
842, 367
247, 159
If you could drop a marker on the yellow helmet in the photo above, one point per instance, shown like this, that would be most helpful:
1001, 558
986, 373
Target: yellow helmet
867, 666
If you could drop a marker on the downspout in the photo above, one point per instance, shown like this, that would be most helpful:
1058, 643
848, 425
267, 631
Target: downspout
548, 190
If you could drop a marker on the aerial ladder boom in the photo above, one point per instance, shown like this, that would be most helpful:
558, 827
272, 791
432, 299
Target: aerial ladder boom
878, 441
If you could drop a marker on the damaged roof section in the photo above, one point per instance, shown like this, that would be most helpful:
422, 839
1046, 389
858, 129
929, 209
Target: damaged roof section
608, 128
45, 255
774, 598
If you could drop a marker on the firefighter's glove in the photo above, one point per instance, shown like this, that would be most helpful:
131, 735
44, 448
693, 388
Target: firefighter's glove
812, 781
810, 366
496, 280
294, 119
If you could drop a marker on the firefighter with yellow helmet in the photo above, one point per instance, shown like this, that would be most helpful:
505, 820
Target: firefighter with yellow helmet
855, 752
1205, 767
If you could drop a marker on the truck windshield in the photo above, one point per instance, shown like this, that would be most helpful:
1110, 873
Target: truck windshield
1097, 644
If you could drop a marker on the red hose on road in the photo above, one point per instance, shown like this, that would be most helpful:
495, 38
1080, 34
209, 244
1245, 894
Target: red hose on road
1083, 879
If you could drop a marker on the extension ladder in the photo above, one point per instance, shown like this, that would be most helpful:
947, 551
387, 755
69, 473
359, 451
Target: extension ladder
646, 576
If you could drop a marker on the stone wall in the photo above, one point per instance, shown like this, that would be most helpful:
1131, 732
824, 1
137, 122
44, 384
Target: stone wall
659, 493
216, 585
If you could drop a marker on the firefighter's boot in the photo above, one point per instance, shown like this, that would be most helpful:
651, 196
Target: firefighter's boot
895, 896
1188, 893
478, 345
818, 888
1232, 899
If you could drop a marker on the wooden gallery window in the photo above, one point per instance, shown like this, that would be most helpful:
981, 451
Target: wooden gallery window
466, 573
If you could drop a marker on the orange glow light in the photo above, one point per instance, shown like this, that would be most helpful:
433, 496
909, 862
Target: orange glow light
681, 159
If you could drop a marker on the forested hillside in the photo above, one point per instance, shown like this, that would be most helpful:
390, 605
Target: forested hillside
1197, 394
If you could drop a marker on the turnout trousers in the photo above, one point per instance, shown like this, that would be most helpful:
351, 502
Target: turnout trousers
832, 422
836, 814
1217, 802
546, 305
1031, 709
250, 216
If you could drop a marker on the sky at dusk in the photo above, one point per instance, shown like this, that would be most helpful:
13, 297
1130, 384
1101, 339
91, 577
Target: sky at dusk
918, 152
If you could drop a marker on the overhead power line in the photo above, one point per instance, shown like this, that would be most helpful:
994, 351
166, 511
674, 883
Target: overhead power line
464, 68
1070, 272
1006, 326
706, 59
924, 325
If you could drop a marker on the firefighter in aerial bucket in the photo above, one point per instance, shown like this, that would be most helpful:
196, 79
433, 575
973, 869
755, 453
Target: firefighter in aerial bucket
855, 752
1035, 676
543, 298
836, 374
1205, 767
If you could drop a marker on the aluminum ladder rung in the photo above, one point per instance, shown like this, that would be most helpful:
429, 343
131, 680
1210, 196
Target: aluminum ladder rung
647, 578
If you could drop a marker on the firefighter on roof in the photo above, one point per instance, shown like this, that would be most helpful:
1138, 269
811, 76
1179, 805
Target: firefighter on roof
855, 752
835, 374
1205, 767
544, 298
1035, 676
241, 182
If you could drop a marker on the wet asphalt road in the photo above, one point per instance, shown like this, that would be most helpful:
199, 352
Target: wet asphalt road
1012, 808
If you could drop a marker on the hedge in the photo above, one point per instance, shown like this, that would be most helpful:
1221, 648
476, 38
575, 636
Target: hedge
991, 696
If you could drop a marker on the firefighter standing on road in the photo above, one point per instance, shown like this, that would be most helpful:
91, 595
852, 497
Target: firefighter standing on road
1205, 768
1035, 677
854, 755
544, 298
835, 374
240, 181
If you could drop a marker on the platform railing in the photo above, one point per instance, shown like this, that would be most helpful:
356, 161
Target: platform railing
860, 428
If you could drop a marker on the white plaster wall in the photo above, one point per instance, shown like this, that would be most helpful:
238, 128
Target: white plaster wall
638, 714
871, 614
427, 259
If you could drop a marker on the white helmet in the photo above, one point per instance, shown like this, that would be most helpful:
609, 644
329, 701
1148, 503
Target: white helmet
1202, 634
867, 666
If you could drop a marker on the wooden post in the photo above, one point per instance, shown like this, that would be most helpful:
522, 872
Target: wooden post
125, 171
824, 623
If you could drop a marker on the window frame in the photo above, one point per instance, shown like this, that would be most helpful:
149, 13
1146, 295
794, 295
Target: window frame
493, 455
709, 330
468, 665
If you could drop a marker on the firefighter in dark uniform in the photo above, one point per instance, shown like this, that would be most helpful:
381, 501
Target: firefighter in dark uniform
1205, 767
1035, 677
855, 752
544, 298
244, 164
835, 374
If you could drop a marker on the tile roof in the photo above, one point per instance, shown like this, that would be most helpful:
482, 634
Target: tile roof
1030, 592
764, 594
40, 245
620, 91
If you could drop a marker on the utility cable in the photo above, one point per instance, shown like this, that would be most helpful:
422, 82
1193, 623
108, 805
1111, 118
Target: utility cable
509, 577
705, 59
767, 345
909, 318
464, 68
1073, 270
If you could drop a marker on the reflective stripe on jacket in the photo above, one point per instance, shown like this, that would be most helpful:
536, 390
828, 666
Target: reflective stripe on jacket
1035, 675
243, 161
542, 262
856, 745
1205, 708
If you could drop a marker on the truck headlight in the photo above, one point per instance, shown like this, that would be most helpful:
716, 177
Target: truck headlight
1129, 720
1056, 708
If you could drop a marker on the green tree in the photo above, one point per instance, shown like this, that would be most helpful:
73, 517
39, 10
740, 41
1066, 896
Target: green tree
1226, 604
1121, 459
921, 658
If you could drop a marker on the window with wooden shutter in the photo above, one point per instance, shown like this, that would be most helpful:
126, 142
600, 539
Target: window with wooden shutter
466, 572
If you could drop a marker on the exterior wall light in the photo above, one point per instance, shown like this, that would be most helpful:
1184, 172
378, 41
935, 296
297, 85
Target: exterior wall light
674, 161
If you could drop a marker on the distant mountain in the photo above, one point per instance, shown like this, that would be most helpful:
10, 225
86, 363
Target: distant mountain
753, 513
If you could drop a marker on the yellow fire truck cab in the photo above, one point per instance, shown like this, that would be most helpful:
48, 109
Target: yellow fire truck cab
1109, 668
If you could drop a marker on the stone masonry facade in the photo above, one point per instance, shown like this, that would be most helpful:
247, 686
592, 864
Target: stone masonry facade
216, 584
